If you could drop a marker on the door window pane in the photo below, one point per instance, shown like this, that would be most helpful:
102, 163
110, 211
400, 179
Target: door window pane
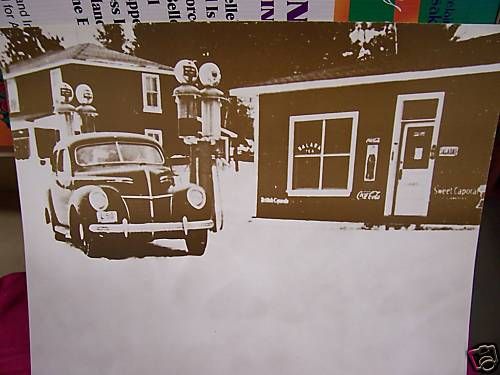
420, 109
418, 147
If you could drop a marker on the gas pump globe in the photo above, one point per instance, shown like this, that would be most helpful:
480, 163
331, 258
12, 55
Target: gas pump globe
186, 97
211, 101
63, 106
87, 112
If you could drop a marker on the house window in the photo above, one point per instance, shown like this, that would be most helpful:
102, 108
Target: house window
321, 154
155, 134
151, 94
13, 96
21, 143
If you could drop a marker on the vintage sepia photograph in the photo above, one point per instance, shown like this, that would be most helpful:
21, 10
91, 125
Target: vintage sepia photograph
253, 197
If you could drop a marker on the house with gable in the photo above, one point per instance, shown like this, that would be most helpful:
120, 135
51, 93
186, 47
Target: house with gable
129, 94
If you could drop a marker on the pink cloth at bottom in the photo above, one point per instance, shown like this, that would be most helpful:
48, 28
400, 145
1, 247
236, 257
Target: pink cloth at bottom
14, 329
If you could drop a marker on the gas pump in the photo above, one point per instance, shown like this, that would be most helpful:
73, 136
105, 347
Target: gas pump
87, 112
188, 123
201, 136
211, 107
211, 101
186, 97
64, 107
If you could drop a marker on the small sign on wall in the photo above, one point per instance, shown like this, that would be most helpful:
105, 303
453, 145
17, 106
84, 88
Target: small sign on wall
371, 159
448, 151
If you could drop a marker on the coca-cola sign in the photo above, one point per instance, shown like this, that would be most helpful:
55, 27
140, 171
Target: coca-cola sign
371, 195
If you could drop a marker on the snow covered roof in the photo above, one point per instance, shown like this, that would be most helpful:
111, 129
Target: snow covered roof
86, 54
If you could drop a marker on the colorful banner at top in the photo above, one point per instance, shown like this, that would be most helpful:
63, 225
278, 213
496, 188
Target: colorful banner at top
423, 11
19, 13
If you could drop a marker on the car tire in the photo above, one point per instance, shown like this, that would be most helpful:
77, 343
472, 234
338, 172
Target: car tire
47, 216
196, 241
92, 244
75, 230
82, 238
51, 219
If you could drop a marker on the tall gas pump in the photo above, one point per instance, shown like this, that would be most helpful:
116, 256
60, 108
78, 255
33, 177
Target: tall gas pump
64, 107
87, 112
211, 120
188, 122
201, 133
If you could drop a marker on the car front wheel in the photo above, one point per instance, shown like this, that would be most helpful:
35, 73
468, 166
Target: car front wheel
82, 238
196, 241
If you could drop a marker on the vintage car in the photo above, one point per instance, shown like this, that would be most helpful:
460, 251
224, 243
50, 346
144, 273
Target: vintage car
109, 187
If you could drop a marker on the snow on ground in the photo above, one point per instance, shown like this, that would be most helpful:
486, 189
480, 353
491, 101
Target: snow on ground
268, 297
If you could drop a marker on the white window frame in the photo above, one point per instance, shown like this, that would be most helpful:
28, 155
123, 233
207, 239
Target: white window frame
354, 115
13, 96
146, 107
152, 132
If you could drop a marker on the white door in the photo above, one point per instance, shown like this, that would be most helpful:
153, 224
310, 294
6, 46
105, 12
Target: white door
415, 169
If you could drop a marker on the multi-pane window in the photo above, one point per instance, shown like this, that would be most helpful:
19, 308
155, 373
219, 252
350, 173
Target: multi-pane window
151, 94
155, 134
321, 154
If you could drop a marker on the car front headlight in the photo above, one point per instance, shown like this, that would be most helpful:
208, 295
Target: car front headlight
196, 197
98, 199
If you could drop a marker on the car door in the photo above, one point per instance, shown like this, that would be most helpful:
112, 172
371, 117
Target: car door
61, 187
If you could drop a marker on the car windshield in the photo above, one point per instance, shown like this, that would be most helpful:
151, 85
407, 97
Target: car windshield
118, 152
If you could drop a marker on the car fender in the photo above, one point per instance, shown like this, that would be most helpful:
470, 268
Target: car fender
80, 202
116, 202
49, 204
181, 187
181, 207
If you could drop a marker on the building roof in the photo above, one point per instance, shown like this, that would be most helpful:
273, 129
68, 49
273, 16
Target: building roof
277, 86
468, 56
86, 54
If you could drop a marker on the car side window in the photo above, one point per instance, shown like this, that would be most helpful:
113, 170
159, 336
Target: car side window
53, 161
66, 162
60, 161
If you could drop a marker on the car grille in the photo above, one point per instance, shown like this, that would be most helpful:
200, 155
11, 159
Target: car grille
144, 209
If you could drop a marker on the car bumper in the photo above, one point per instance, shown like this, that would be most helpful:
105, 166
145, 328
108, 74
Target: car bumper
126, 228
